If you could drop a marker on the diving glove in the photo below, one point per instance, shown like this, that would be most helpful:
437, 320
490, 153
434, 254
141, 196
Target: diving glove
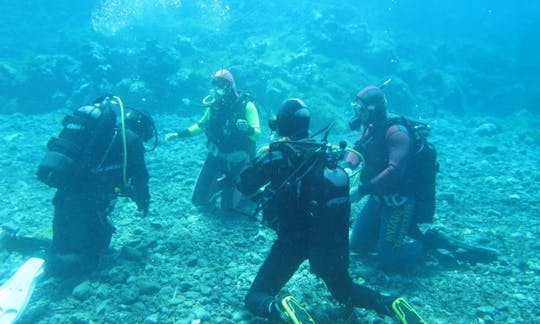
179, 134
358, 192
292, 312
405, 312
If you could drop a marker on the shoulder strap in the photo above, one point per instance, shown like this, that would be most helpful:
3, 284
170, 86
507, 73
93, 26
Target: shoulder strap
398, 121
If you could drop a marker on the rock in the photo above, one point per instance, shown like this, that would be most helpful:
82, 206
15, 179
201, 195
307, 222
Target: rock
151, 319
11, 137
173, 244
486, 320
513, 180
486, 129
129, 295
535, 267
102, 291
192, 261
490, 180
148, 287
237, 316
487, 149
447, 196
131, 254
185, 286
117, 275
206, 290
191, 295
201, 313
167, 291
485, 311
138, 307
82, 291
79, 319
494, 213
175, 301
103, 307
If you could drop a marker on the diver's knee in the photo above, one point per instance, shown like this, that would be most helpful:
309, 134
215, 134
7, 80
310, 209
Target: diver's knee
340, 289
390, 263
343, 297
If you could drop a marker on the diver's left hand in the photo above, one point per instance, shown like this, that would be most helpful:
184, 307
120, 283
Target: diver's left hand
143, 206
242, 125
356, 193
144, 210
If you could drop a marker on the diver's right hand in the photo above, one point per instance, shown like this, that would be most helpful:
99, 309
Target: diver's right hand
171, 136
143, 207
357, 192
180, 134
354, 195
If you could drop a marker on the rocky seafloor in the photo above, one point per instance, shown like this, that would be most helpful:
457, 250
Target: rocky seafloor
179, 265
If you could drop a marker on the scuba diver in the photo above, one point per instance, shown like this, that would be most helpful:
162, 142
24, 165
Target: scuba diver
306, 201
231, 124
91, 163
399, 170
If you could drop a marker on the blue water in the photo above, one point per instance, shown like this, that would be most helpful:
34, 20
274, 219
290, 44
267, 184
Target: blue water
460, 56
459, 64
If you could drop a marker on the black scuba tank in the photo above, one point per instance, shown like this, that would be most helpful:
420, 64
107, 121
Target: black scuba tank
329, 207
421, 175
85, 136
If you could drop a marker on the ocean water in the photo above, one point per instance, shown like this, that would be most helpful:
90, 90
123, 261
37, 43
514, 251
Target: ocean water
469, 68
457, 56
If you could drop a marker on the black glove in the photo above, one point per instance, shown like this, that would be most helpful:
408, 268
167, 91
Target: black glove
243, 126
363, 189
143, 207
125, 191
357, 193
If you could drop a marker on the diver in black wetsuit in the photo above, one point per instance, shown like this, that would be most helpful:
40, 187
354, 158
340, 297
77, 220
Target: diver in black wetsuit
307, 203
82, 228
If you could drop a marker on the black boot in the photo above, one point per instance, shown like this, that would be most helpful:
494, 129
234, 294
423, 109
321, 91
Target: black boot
30, 246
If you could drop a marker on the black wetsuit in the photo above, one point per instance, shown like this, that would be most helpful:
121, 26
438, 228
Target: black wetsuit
312, 223
82, 229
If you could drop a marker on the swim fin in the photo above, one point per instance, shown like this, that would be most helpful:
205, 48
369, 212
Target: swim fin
405, 312
293, 312
459, 250
16, 292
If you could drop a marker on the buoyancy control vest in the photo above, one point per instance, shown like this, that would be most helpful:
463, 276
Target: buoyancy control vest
312, 190
221, 128
85, 136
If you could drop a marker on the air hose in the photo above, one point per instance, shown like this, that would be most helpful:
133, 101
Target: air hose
354, 176
124, 140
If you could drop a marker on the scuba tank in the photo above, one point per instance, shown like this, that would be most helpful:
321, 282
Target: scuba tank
87, 130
